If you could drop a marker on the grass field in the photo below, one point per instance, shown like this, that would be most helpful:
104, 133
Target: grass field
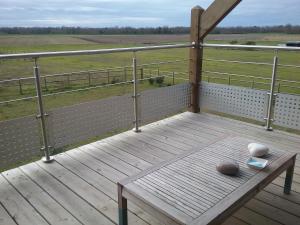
23, 68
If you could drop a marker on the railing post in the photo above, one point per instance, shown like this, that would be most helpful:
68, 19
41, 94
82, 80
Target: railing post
272, 96
45, 83
125, 74
142, 73
89, 78
108, 78
196, 54
20, 87
47, 158
135, 95
173, 77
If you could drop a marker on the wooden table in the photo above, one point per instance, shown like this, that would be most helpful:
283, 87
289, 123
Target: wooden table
189, 190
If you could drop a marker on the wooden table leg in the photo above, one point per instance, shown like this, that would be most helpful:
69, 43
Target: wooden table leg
289, 178
122, 202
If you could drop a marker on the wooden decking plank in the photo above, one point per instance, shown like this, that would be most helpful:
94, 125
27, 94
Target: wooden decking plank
93, 196
274, 137
117, 142
273, 212
193, 133
279, 202
174, 212
126, 157
112, 161
278, 190
146, 146
296, 177
81, 209
199, 125
102, 168
165, 146
17, 206
171, 134
254, 218
201, 122
100, 182
91, 176
173, 142
186, 138
5, 218
53, 212
178, 120
234, 221
280, 181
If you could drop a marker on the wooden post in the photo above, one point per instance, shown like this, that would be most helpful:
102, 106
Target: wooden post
20, 87
45, 83
125, 74
196, 53
108, 79
89, 78
142, 73
173, 77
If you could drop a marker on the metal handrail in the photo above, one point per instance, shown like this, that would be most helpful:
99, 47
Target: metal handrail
257, 47
92, 52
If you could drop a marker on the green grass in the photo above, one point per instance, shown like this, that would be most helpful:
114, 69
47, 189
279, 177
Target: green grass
24, 68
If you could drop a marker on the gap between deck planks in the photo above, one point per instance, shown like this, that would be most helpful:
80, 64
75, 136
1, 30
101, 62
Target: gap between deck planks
80, 187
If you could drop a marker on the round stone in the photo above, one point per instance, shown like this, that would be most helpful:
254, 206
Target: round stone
228, 167
258, 150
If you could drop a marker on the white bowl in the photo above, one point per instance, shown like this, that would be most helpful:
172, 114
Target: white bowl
257, 163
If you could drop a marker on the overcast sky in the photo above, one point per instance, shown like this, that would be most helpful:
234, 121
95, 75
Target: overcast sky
139, 13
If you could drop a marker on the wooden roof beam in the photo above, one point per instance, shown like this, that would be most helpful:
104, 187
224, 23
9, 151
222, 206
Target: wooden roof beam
214, 14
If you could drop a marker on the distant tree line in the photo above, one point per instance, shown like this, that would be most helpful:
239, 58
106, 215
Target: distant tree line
290, 29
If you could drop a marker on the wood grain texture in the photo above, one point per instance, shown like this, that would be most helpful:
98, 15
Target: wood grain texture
100, 165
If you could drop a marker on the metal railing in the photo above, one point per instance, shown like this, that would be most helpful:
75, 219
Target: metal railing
39, 95
271, 102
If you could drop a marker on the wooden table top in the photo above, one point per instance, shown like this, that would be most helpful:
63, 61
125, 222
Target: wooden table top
189, 190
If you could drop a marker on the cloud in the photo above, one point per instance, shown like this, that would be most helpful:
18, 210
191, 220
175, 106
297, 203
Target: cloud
139, 13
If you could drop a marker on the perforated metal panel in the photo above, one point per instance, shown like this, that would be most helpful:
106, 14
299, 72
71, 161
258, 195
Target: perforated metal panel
287, 111
238, 101
19, 140
72, 124
161, 102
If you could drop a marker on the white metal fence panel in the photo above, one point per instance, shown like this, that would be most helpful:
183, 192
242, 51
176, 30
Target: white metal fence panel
73, 124
19, 140
238, 101
287, 111
161, 102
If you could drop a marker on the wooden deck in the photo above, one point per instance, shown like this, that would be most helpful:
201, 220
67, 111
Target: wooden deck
80, 186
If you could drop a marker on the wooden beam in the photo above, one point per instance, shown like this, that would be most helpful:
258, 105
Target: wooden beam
215, 13
196, 53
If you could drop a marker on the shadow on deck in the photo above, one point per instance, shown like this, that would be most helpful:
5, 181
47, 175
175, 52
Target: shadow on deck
80, 186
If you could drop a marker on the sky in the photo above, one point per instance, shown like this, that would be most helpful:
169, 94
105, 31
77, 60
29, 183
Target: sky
139, 13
